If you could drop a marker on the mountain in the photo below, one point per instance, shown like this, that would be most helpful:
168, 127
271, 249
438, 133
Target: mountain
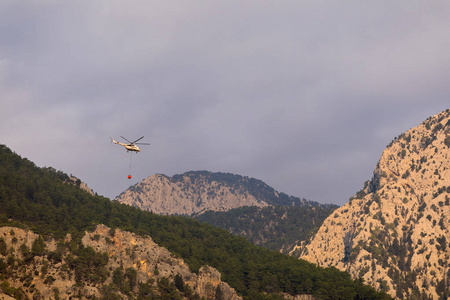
244, 206
66, 235
277, 228
395, 232
107, 264
196, 192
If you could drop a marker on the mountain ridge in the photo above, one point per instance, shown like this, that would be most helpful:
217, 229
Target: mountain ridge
41, 201
195, 192
394, 232
244, 206
116, 264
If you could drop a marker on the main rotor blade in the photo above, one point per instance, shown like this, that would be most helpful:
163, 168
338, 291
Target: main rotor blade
142, 144
138, 139
126, 140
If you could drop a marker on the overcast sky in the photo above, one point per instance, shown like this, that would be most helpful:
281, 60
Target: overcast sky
303, 95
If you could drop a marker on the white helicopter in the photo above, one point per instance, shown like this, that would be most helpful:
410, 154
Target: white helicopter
131, 146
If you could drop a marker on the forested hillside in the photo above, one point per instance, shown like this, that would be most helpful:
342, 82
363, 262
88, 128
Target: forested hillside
277, 228
41, 199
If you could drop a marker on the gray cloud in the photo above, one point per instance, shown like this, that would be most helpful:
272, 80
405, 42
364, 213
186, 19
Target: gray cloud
303, 95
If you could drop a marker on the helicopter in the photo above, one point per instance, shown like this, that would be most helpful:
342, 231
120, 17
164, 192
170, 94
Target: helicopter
131, 146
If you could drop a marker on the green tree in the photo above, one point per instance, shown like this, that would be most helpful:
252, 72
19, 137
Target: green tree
38, 247
118, 277
3, 247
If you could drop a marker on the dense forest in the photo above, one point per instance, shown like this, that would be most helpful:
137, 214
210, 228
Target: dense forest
42, 199
274, 227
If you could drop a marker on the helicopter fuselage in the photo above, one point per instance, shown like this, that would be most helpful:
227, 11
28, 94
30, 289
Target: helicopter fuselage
132, 148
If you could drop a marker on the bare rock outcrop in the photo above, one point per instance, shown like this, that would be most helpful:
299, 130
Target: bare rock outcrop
48, 270
186, 196
128, 250
210, 285
395, 232
82, 185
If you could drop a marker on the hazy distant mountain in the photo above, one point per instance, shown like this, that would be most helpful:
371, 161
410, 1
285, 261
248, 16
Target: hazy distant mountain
199, 191
395, 232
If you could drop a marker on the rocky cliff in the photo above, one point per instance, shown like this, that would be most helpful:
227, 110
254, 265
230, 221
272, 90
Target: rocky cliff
82, 185
395, 232
109, 264
200, 191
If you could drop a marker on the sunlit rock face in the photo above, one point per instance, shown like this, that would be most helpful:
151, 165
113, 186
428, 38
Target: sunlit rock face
50, 272
196, 192
395, 232
186, 195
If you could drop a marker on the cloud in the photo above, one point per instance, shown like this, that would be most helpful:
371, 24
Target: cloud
303, 95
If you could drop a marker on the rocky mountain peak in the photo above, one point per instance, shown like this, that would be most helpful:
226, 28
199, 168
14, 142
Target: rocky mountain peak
395, 232
185, 195
198, 191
